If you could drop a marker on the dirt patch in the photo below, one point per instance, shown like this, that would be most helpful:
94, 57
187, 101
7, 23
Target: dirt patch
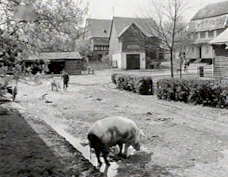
184, 140
23, 153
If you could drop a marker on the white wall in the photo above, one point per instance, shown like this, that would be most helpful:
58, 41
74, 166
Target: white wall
115, 45
116, 60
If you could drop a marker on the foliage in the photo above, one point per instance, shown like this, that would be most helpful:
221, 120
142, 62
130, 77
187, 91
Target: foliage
139, 84
6, 86
40, 25
83, 47
205, 92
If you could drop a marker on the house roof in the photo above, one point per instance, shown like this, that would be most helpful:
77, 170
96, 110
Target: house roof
212, 10
98, 27
55, 56
221, 39
209, 24
144, 24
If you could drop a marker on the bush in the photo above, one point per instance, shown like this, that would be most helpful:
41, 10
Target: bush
205, 92
139, 84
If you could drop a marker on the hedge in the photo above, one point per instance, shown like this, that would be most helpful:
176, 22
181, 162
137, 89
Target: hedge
205, 92
138, 84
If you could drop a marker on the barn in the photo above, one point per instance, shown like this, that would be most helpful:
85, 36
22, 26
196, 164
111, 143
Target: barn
132, 44
59, 61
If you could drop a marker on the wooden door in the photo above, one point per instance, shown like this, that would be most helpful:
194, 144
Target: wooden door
133, 61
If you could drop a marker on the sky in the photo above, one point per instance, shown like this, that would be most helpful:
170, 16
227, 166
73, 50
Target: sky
105, 9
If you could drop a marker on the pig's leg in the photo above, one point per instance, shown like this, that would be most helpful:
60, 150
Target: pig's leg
97, 152
105, 159
105, 152
121, 148
125, 150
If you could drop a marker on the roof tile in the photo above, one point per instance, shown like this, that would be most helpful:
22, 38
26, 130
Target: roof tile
212, 10
99, 27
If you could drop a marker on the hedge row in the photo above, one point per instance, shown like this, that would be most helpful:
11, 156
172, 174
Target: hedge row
139, 84
205, 92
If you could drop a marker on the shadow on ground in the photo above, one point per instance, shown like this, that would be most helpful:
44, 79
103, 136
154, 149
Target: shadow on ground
24, 154
137, 166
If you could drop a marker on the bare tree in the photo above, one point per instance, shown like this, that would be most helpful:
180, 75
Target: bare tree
182, 48
168, 23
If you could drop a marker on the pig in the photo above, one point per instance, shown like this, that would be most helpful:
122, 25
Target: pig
113, 131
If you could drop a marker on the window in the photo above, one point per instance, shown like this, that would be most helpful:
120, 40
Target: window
195, 36
101, 47
203, 34
211, 34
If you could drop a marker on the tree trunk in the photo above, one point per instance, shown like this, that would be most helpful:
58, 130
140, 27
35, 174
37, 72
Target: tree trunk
180, 69
171, 63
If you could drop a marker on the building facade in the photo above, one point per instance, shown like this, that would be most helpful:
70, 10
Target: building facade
127, 42
208, 23
132, 44
220, 46
97, 32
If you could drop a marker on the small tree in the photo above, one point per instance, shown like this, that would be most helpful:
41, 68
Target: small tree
168, 23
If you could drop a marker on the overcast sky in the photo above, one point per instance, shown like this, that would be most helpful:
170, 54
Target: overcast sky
131, 8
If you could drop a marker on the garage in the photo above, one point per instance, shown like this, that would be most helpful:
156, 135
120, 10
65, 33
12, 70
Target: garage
133, 61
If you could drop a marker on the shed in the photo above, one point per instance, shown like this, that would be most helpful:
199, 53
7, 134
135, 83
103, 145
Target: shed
59, 61
220, 45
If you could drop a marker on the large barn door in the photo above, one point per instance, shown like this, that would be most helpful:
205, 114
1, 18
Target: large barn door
133, 61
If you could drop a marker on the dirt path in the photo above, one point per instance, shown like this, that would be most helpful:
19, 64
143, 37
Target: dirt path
182, 140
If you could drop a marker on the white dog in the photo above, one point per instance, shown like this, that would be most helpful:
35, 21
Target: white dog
55, 84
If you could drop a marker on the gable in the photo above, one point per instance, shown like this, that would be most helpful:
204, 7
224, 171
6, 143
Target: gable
132, 31
144, 24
